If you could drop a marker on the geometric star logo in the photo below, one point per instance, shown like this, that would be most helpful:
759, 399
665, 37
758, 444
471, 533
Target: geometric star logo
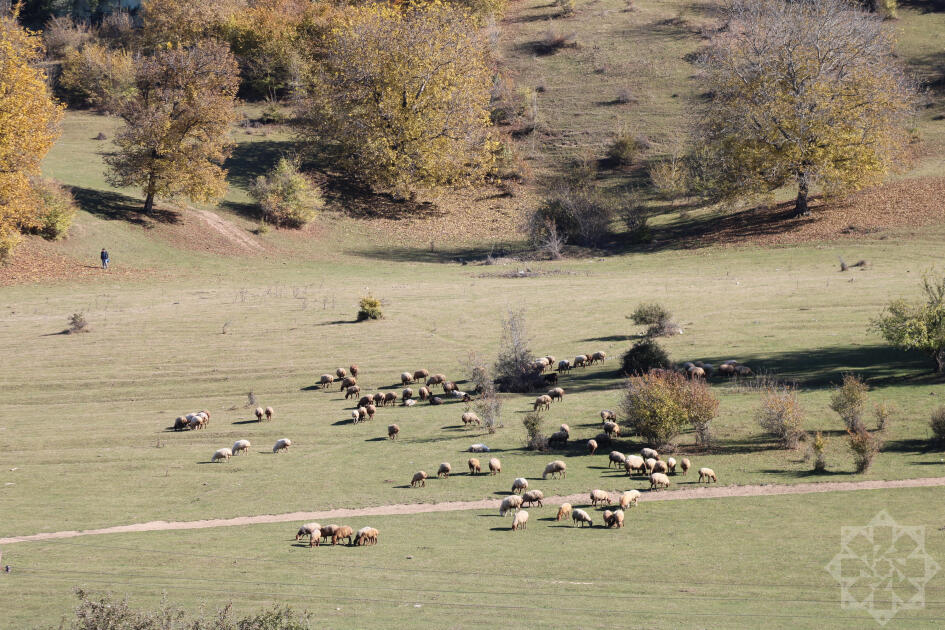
882, 568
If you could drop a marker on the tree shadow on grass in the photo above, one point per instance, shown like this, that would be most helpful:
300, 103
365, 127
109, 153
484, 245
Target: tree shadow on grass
252, 159
921, 447
113, 206
804, 474
245, 422
438, 253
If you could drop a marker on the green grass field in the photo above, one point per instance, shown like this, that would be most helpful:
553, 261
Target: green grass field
84, 439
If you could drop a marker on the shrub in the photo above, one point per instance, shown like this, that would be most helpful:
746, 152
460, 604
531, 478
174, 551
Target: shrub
817, 452
938, 425
369, 308
77, 323
118, 29
701, 407
653, 406
624, 96
489, 408
650, 313
62, 35
288, 197
550, 241
9, 239
920, 325
780, 415
95, 76
849, 400
670, 177
582, 172
535, 440
581, 217
555, 40
513, 367
645, 355
57, 212
624, 147
883, 412
865, 446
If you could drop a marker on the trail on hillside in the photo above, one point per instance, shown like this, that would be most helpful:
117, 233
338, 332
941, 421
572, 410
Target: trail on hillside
228, 230
703, 492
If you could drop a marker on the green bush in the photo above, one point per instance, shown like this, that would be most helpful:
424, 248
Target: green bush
643, 356
865, 446
288, 197
95, 76
849, 401
780, 415
817, 452
57, 212
659, 405
535, 439
369, 308
581, 217
624, 147
670, 178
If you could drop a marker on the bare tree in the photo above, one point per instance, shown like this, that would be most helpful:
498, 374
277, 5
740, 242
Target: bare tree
513, 367
803, 91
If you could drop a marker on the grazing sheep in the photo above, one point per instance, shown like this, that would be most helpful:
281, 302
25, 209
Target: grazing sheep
449, 386
355, 416
470, 418
406, 377
582, 517
598, 357
512, 502
556, 467
671, 464
436, 400
629, 499
354, 370
658, 481
533, 496
649, 464
259, 414
326, 380
352, 391
696, 372
540, 365
240, 446
744, 370
327, 531
599, 496
580, 361
647, 453
364, 401
436, 379
556, 394
392, 431
559, 438
378, 399
520, 484
348, 381
542, 402
281, 444
196, 422
444, 470
342, 532
390, 398
312, 530
406, 395
365, 536
592, 446
606, 415
419, 478
660, 467
614, 519
460, 395
616, 457
474, 467
521, 518
708, 474
362, 413
424, 393
684, 464
563, 512
180, 423
495, 466
550, 379
727, 369
269, 413
371, 410
419, 375
478, 448
634, 463
341, 372
564, 365
612, 429
223, 453
410, 403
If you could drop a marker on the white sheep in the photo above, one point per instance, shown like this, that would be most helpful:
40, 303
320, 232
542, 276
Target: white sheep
478, 448
282, 444
564, 365
355, 416
556, 467
410, 402
629, 499
614, 519
312, 530
580, 361
240, 446
647, 453
470, 418
533, 496
649, 464
420, 478
616, 457
660, 467
708, 474
223, 453
582, 517
520, 484
444, 470
474, 466
406, 377
542, 402
326, 380
521, 518
598, 357
658, 481
512, 502
635, 463
366, 535
495, 466
599, 496
592, 446
671, 464
607, 414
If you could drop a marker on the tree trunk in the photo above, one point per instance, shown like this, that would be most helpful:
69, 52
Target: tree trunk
149, 203
800, 205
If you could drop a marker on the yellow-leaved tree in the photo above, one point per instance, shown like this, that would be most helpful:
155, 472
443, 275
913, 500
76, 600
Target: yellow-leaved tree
401, 94
29, 125
175, 136
804, 92
184, 22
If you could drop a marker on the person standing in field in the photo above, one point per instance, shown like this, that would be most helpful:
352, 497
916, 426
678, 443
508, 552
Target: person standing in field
104, 258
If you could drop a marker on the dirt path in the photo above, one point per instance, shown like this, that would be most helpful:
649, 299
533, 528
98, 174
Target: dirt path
227, 229
703, 492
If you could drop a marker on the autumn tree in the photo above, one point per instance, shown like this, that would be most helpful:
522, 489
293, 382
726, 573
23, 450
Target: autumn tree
802, 92
918, 325
184, 22
174, 139
401, 93
29, 125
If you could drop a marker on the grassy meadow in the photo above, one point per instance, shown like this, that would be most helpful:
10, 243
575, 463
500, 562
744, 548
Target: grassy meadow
189, 320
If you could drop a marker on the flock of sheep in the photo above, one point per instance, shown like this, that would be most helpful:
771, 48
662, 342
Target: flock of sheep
316, 533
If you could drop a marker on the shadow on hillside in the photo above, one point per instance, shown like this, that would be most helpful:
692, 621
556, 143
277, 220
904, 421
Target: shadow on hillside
359, 201
113, 206
435, 254
931, 70
920, 447
251, 159
805, 474
925, 6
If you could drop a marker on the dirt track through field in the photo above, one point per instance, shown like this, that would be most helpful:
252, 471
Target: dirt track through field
703, 492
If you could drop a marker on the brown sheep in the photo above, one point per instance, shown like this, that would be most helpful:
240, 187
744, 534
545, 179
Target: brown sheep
342, 532
419, 478
556, 467
612, 429
556, 394
312, 530
598, 357
542, 402
471, 418
684, 465
449, 386
354, 370
390, 398
696, 372
364, 401
743, 370
613, 519
341, 373
551, 379
348, 381
436, 379
366, 535
259, 414
378, 398
405, 378
599, 496
392, 431
563, 512
371, 409
532, 496
362, 414
474, 467
326, 380
607, 414
618, 458
328, 531
592, 446
727, 369
352, 391
424, 393
269, 413
444, 470
419, 375
660, 467
495, 466
407, 394
564, 365
580, 361
436, 400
